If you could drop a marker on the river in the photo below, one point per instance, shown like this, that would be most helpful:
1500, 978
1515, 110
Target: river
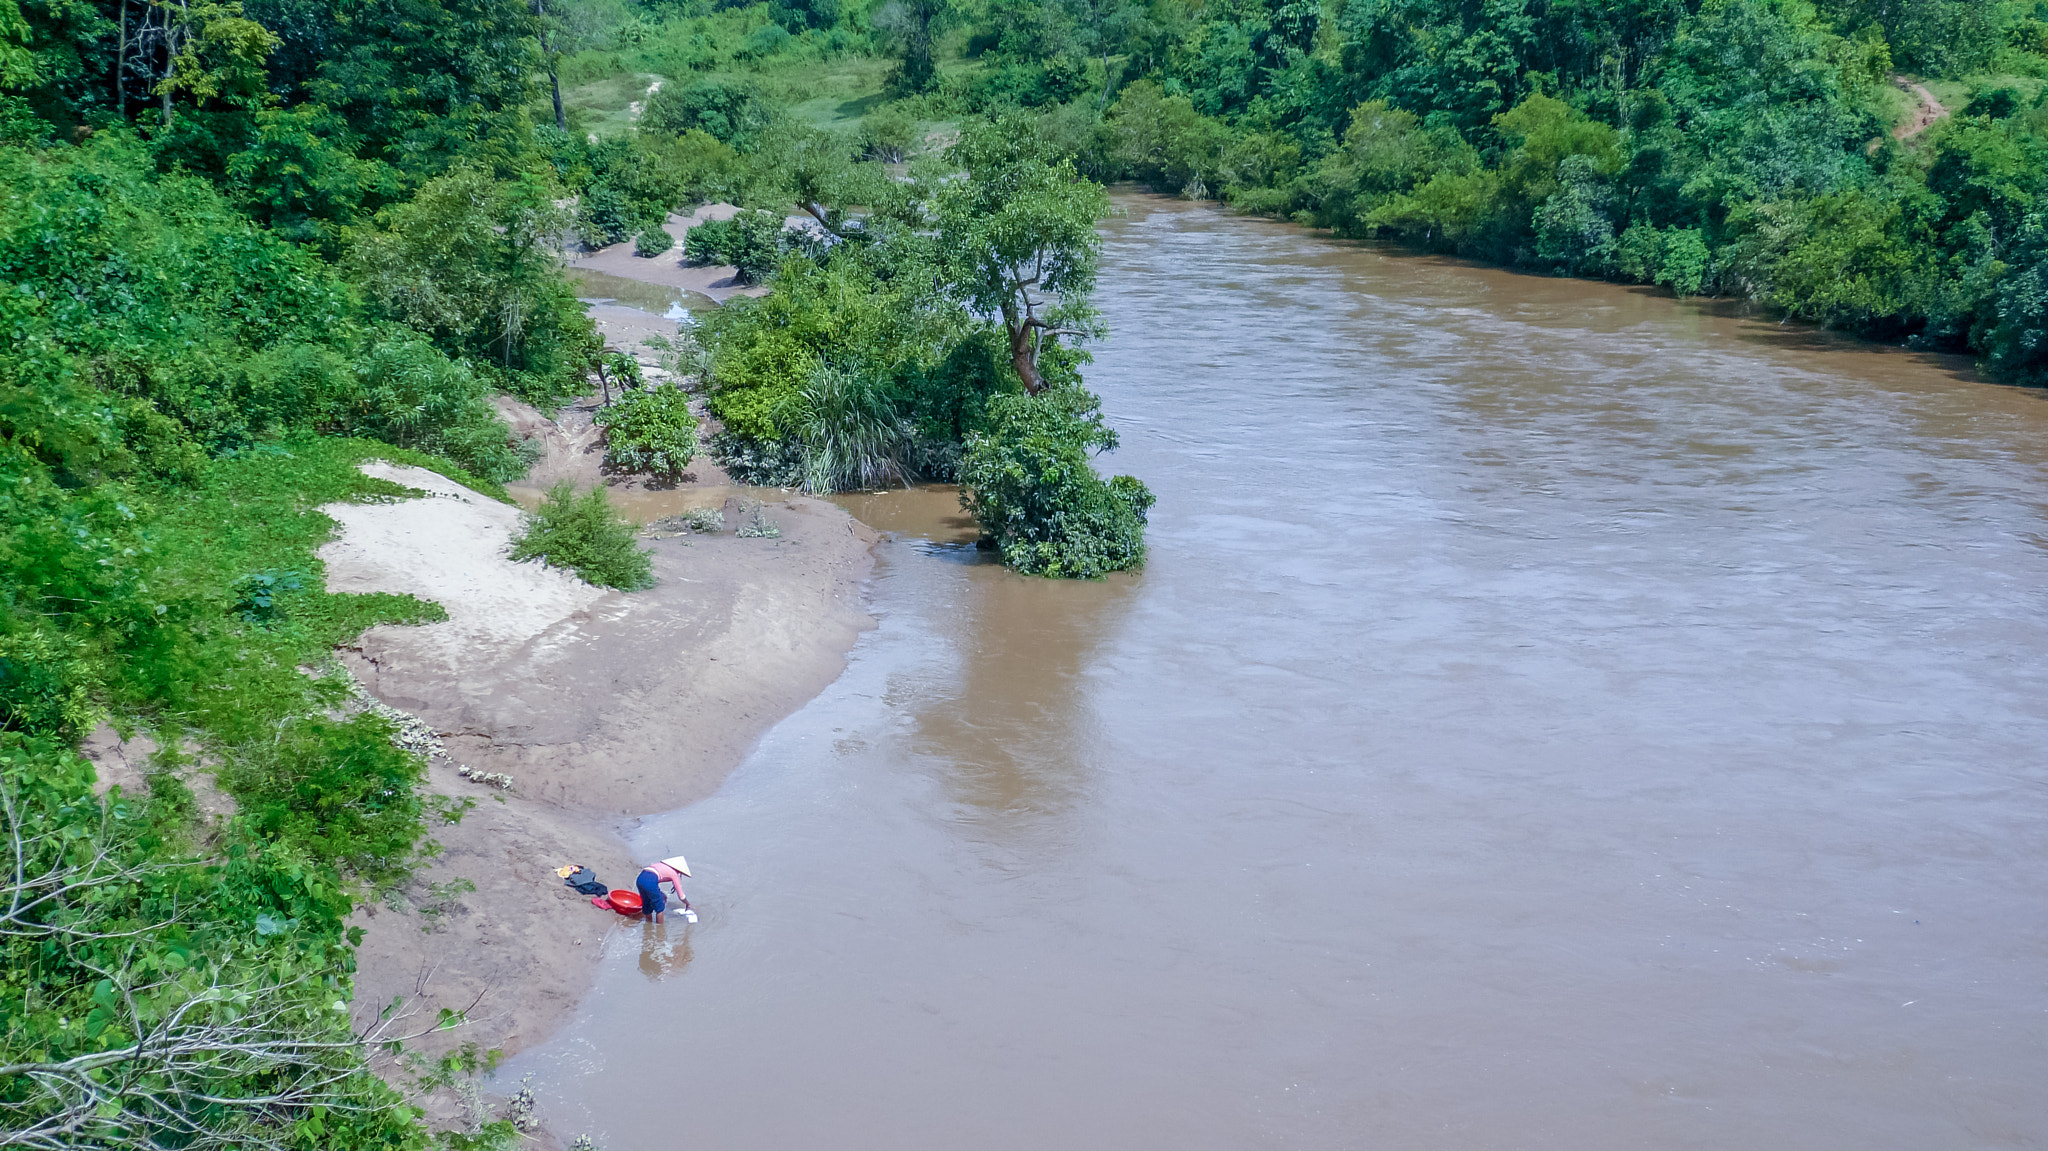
1552, 716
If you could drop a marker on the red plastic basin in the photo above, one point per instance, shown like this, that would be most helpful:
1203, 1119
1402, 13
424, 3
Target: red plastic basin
625, 902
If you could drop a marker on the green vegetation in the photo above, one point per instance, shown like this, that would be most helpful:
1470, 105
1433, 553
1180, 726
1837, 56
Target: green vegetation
650, 431
752, 242
584, 534
247, 247
242, 255
1765, 149
152, 960
1032, 489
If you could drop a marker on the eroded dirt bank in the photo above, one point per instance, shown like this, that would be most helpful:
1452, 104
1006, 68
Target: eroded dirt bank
601, 706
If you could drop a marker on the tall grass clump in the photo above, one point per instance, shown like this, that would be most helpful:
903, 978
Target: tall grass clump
586, 535
848, 433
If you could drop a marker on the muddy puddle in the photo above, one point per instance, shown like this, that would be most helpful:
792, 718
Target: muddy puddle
1553, 716
661, 300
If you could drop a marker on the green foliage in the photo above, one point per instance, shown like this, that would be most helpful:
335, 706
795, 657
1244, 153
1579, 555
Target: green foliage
1018, 240
731, 112
1039, 501
2018, 341
889, 133
882, 327
603, 216
202, 986
751, 241
584, 534
911, 29
468, 262
653, 242
651, 431
848, 432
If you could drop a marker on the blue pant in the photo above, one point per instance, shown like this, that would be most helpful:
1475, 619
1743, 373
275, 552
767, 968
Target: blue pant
651, 899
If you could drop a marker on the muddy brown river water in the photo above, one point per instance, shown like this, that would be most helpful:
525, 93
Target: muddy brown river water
1553, 716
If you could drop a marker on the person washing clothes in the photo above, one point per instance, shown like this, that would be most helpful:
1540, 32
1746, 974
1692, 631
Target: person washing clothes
670, 871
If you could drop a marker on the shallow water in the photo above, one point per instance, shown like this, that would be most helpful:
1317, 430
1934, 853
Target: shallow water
1552, 716
669, 303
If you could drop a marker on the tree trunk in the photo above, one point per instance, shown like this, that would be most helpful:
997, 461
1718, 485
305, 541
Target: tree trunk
170, 61
170, 65
547, 52
121, 63
1024, 358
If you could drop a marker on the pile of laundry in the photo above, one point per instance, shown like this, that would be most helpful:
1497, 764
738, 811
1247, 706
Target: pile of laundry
582, 879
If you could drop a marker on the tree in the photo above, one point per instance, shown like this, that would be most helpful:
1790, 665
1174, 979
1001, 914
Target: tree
815, 170
1017, 238
1039, 502
650, 431
911, 28
208, 49
470, 262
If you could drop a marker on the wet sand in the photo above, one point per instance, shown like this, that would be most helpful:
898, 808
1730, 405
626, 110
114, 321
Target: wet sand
601, 706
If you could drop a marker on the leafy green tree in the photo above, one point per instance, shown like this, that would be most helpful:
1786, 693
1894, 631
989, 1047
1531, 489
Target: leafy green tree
1573, 229
2018, 340
1019, 242
210, 50
888, 134
1161, 139
469, 261
816, 171
753, 242
911, 29
732, 112
1040, 503
422, 82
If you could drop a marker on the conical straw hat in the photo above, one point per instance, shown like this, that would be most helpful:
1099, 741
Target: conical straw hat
680, 864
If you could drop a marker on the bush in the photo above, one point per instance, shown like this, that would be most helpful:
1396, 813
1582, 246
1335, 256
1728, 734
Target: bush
584, 534
752, 242
1040, 503
653, 242
407, 393
887, 133
651, 432
733, 113
603, 216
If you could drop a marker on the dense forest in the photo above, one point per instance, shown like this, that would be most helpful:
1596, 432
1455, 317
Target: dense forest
245, 246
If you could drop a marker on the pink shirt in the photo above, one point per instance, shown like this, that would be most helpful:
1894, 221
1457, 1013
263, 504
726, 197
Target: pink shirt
663, 873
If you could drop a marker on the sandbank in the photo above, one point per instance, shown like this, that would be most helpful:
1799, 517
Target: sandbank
602, 706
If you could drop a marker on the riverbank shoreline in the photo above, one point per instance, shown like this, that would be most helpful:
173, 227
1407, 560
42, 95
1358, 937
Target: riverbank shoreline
601, 707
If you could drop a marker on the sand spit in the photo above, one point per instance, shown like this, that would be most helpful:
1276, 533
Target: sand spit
602, 706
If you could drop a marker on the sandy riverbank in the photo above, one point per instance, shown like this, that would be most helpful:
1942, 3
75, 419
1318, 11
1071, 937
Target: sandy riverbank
602, 706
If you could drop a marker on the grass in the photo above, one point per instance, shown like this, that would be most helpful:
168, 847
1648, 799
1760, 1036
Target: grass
1896, 106
603, 107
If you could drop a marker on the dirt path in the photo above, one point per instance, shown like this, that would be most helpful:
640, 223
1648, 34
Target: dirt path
1925, 116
